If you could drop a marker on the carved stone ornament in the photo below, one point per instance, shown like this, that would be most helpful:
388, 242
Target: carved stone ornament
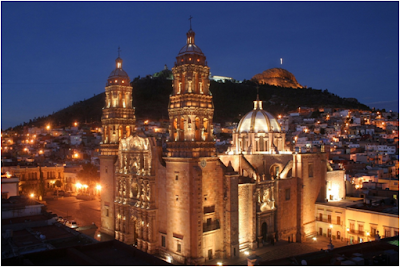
267, 200
134, 143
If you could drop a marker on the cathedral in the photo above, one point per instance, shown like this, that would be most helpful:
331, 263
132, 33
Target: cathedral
190, 204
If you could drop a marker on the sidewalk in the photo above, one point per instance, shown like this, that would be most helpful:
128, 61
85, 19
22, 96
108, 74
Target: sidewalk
281, 249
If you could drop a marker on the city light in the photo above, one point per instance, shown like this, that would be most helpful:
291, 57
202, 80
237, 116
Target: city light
246, 253
32, 195
169, 259
48, 127
331, 226
78, 185
314, 238
219, 263
98, 187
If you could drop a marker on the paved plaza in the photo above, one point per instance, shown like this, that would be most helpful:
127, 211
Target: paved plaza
281, 249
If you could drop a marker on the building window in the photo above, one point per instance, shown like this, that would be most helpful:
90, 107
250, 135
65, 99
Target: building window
176, 177
310, 170
163, 241
107, 213
373, 231
338, 220
361, 229
178, 248
329, 218
351, 227
287, 194
387, 233
320, 217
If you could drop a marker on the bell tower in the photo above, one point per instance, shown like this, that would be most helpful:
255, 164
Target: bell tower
194, 183
118, 121
191, 108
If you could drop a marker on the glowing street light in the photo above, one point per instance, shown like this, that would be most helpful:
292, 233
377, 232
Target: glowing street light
48, 127
32, 195
219, 263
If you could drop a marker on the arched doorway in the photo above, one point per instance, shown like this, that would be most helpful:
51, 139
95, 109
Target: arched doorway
264, 231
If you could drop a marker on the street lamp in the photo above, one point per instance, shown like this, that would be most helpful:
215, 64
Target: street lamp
98, 187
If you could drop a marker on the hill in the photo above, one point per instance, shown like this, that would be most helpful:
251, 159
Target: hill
231, 101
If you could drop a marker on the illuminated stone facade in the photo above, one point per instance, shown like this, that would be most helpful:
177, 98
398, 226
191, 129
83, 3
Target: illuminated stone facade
118, 122
192, 205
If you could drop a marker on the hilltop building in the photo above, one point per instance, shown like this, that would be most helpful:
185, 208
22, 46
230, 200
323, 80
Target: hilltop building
193, 205
278, 77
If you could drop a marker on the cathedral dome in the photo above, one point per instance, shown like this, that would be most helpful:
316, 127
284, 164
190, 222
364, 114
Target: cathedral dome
258, 120
190, 47
118, 72
118, 76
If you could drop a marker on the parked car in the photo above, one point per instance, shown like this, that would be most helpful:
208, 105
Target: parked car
60, 219
71, 224
60, 193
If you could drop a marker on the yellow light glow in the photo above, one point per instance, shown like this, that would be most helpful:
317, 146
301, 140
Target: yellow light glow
98, 187
40, 151
76, 155
75, 124
331, 226
48, 127
219, 263
32, 195
85, 186
367, 233
146, 121
314, 238
78, 185
246, 253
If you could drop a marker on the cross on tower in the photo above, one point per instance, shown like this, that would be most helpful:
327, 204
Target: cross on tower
119, 50
190, 19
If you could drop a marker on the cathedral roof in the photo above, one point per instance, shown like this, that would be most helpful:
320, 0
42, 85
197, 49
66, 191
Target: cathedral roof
258, 120
118, 72
190, 47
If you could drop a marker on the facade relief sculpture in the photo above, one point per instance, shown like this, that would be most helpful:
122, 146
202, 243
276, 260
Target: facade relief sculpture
266, 199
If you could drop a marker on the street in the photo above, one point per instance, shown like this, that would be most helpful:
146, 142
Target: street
84, 212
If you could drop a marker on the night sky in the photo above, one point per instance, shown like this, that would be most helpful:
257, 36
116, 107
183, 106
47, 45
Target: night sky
54, 54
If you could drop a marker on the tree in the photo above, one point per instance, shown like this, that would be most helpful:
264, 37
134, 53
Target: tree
58, 183
88, 174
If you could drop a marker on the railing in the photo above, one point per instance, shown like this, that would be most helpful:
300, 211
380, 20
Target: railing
334, 222
358, 232
211, 226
